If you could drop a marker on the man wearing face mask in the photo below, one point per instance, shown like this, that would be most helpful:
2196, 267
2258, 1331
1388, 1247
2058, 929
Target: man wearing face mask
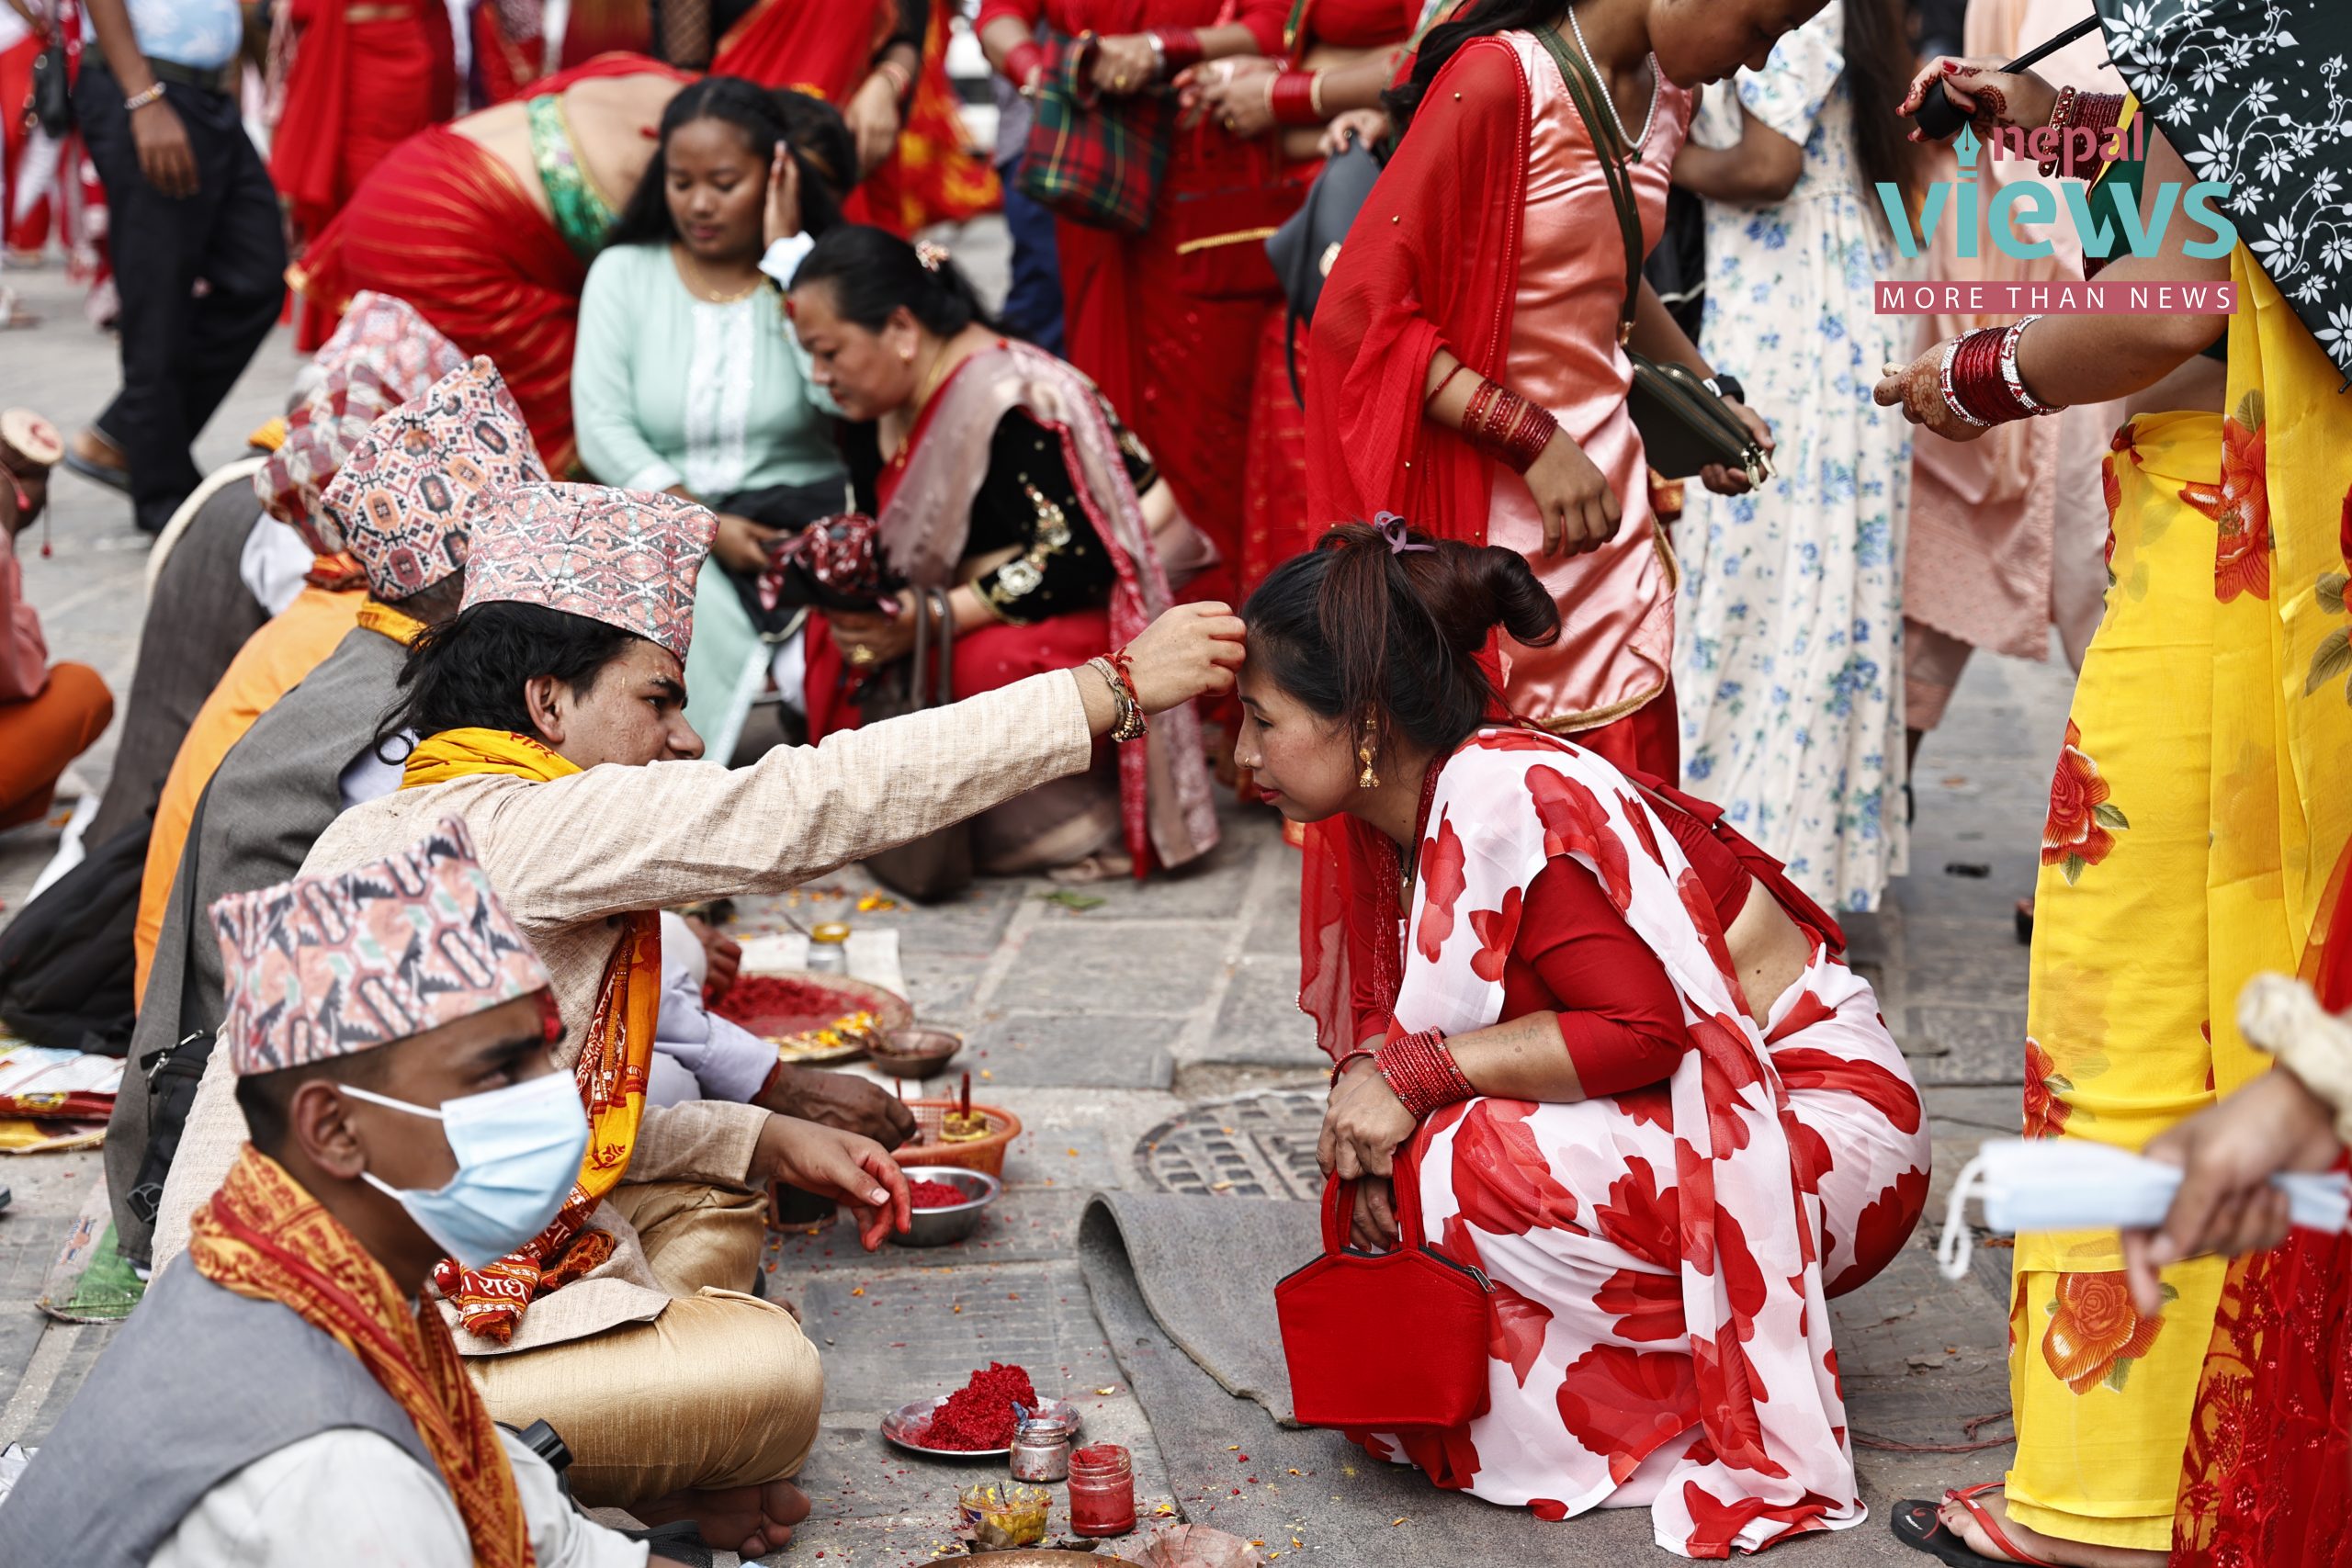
388, 1028
625, 1324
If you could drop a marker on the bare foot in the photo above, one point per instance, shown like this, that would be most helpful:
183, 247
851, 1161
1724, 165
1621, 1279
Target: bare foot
2047, 1548
750, 1521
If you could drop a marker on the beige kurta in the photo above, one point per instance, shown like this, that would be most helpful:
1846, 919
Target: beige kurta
568, 856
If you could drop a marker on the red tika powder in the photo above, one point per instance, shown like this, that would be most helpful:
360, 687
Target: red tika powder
768, 1004
979, 1415
936, 1195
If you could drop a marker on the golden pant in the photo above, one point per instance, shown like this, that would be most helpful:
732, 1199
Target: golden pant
720, 1390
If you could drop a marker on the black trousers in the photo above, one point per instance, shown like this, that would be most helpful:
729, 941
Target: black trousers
183, 347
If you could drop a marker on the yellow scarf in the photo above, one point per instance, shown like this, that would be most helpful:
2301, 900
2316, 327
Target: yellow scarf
385, 621
264, 1237
615, 1057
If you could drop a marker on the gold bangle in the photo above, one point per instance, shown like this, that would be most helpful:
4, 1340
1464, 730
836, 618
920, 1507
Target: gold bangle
1314, 94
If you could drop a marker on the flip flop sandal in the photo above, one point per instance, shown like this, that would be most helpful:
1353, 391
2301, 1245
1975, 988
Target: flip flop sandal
105, 474
1918, 1523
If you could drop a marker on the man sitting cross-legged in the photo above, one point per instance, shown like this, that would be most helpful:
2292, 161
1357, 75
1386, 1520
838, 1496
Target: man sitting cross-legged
624, 1324
282, 1397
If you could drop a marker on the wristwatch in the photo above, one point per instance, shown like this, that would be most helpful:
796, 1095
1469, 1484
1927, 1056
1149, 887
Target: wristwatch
1724, 385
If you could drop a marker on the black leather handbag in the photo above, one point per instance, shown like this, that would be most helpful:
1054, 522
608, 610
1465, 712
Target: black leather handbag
1684, 425
51, 103
1306, 246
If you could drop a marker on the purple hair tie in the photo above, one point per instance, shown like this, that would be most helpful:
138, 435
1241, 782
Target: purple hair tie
1391, 527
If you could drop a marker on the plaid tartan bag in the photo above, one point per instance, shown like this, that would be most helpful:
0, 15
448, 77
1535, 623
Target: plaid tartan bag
1091, 162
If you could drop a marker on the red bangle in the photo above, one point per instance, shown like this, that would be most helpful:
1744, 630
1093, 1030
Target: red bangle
1529, 438
1472, 414
1978, 389
1422, 1072
1179, 47
1350, 1059
1292, 99
1023, 59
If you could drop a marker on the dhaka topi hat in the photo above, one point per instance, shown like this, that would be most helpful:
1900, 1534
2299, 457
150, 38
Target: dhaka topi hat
399, 501
623, 557
325, 966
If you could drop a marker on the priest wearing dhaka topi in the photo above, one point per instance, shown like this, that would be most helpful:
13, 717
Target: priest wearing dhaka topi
627, 1324
388, 1028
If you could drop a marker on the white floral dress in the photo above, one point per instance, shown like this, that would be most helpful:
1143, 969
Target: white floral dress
1788, 657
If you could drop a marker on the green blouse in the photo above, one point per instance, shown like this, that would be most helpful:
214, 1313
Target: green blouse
582, 215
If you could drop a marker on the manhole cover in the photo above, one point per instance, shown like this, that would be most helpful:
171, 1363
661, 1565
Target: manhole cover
1256, 1145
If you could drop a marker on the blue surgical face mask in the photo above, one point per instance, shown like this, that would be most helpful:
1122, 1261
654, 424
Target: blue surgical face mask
518, 1153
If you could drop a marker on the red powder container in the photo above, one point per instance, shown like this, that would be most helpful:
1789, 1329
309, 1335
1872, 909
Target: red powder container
1102, 1491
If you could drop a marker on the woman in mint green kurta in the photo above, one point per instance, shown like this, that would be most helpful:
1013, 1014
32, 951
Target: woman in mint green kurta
685, 376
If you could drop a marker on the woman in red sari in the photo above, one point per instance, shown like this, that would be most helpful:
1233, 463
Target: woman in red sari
1491, 275
358, 81
994, 471
1167, 321
1617, 1052
1337, 56
487, 226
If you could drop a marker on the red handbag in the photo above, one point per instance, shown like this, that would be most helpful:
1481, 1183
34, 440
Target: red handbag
1383, 1341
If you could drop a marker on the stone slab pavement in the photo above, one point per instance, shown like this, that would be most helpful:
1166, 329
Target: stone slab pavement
1127, 1034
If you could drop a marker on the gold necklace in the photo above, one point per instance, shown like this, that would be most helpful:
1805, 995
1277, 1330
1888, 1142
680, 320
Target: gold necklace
700, 285
923, 389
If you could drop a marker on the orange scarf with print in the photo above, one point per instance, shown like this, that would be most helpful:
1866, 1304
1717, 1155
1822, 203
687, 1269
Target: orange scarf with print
614, 1057
264, 1237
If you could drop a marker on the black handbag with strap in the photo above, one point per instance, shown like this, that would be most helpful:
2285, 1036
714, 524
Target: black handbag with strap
1306, 246
1685, 425
939, 864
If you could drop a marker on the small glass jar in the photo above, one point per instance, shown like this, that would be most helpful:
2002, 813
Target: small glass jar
828, 950
1041, 1449
1102, 1491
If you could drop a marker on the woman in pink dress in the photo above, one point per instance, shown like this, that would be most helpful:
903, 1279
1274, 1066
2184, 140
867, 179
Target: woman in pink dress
1487, 275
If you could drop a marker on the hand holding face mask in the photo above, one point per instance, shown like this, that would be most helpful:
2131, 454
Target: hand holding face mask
2066, 1184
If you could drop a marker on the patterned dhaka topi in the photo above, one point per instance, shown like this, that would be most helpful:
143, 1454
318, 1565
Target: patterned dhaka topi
318, 437
326, 966
399, 501
625, 558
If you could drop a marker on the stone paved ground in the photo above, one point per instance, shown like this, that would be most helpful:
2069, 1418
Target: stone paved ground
1102, 1027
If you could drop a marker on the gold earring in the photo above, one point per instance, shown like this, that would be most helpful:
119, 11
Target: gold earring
906, 357
1369, 778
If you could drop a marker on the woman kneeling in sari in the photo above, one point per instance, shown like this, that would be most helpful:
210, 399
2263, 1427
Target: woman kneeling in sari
1616, 1048
997, 472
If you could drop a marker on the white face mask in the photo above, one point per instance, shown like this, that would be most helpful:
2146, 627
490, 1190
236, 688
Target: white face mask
2068, 1184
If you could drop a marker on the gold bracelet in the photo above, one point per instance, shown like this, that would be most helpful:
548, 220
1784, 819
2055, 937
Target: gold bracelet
1315, 95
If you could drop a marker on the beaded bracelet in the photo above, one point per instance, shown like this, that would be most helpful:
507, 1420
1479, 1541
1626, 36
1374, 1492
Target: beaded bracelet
1118, 668
1291, 98
1176, 47
1422, 1072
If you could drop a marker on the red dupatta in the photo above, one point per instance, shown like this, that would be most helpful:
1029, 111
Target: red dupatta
1431, 262
307, 146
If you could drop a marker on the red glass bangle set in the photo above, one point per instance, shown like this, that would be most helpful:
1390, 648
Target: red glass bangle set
1422, 1072
1979, 381
1507, 427
1179, 47
1294, 98
1021, 61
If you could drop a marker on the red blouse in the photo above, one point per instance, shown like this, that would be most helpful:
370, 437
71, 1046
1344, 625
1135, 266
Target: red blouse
1359, 24
1575, 956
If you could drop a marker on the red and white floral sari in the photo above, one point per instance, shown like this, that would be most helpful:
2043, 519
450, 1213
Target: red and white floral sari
1662, 1259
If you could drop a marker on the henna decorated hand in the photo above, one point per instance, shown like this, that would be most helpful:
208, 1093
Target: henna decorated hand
1988, 96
